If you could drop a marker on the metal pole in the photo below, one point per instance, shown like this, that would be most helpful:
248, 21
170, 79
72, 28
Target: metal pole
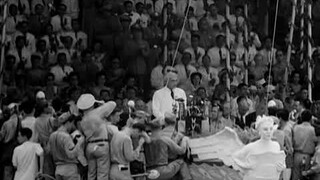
3, 40
165, 31
302, 2
246, 51
309, 50
293, 17
228, 51
266, 22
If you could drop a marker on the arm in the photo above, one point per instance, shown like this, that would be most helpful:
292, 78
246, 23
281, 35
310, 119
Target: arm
72, 149
240, 157
175, 148
129, 153
39, 152
100, 111
156, 107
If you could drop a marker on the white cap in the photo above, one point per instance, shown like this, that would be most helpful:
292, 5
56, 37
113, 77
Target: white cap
272, 103
40, 95
270, 87
86, 101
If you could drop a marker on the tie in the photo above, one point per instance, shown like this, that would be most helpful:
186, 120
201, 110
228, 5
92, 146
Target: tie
196, 54
187, 71
220, 55
62, 22
237, 23
172, 94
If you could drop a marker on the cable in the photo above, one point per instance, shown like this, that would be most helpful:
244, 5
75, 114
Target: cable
272, 46
181, 33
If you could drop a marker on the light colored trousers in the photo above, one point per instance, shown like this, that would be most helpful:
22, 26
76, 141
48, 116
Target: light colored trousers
297, 159
170, 170
98, 161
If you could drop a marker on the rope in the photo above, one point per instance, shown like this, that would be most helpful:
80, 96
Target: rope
272, 47
180, 36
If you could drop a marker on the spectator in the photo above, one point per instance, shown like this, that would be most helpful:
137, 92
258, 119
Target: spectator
38, 21
72, 8
134, 16
61, 21
61, 70
25, 156
36, 75
196, 51
21, 53
185, 69
218, 53
214, 17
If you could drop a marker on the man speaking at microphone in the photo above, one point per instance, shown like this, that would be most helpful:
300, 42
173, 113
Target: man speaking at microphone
165, 98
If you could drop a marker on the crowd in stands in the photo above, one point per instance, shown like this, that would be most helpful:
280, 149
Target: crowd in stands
59, 50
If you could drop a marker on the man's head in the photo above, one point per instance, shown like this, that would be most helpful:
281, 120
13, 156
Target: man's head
283, 116
20, 42
243, 89
195, 38
137, 129
24, 135
196, 78
220, 39
299, 105
13, 10
39, 9
105, 95
75, 25
268, 42
186, 58
62, 8
36, 61
86, 56
68, 121
114, 117
62, 58
139, 7
41, 45
172, 80
128, 6
306, 116
243, 105
213, 10
239, 10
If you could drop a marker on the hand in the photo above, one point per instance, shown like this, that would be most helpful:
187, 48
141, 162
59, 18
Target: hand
304, 173
141, 141
280, 166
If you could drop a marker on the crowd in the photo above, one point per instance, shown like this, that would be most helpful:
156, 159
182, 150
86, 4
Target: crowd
73, 68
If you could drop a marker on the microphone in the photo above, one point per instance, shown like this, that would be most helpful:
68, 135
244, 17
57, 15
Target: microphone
131, 105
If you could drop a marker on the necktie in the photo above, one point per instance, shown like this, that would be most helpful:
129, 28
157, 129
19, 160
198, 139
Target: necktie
172, 94
62, 22
196, 54
220, 55
187, 71
237, 23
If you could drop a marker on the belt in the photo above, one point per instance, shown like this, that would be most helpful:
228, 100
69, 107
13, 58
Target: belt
98, 140
156, 166
122, 167
301, 152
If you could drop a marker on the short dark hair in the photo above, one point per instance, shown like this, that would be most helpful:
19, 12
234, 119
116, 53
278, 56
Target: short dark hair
195, 35
28, 106
283, 114
272, 111
306, 116
26, 132
241, 85
139, 126
125, 3
241, 98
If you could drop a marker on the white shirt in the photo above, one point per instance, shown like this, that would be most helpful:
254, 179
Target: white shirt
240, 51
30, 40
162, 101
268, 55
159, 6
28, 122
215, 58
79, 39
56, 23
25, 57
200, 51
72, 8
12, 23
60, 73
156, 79
182, 72
218, 20
208, 75
236, 21
24, 3
134, 17
25, 160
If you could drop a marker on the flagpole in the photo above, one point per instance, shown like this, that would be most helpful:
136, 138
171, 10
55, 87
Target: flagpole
228, 51
293, 17
246, 51
165, 30
3, 41
309, 49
